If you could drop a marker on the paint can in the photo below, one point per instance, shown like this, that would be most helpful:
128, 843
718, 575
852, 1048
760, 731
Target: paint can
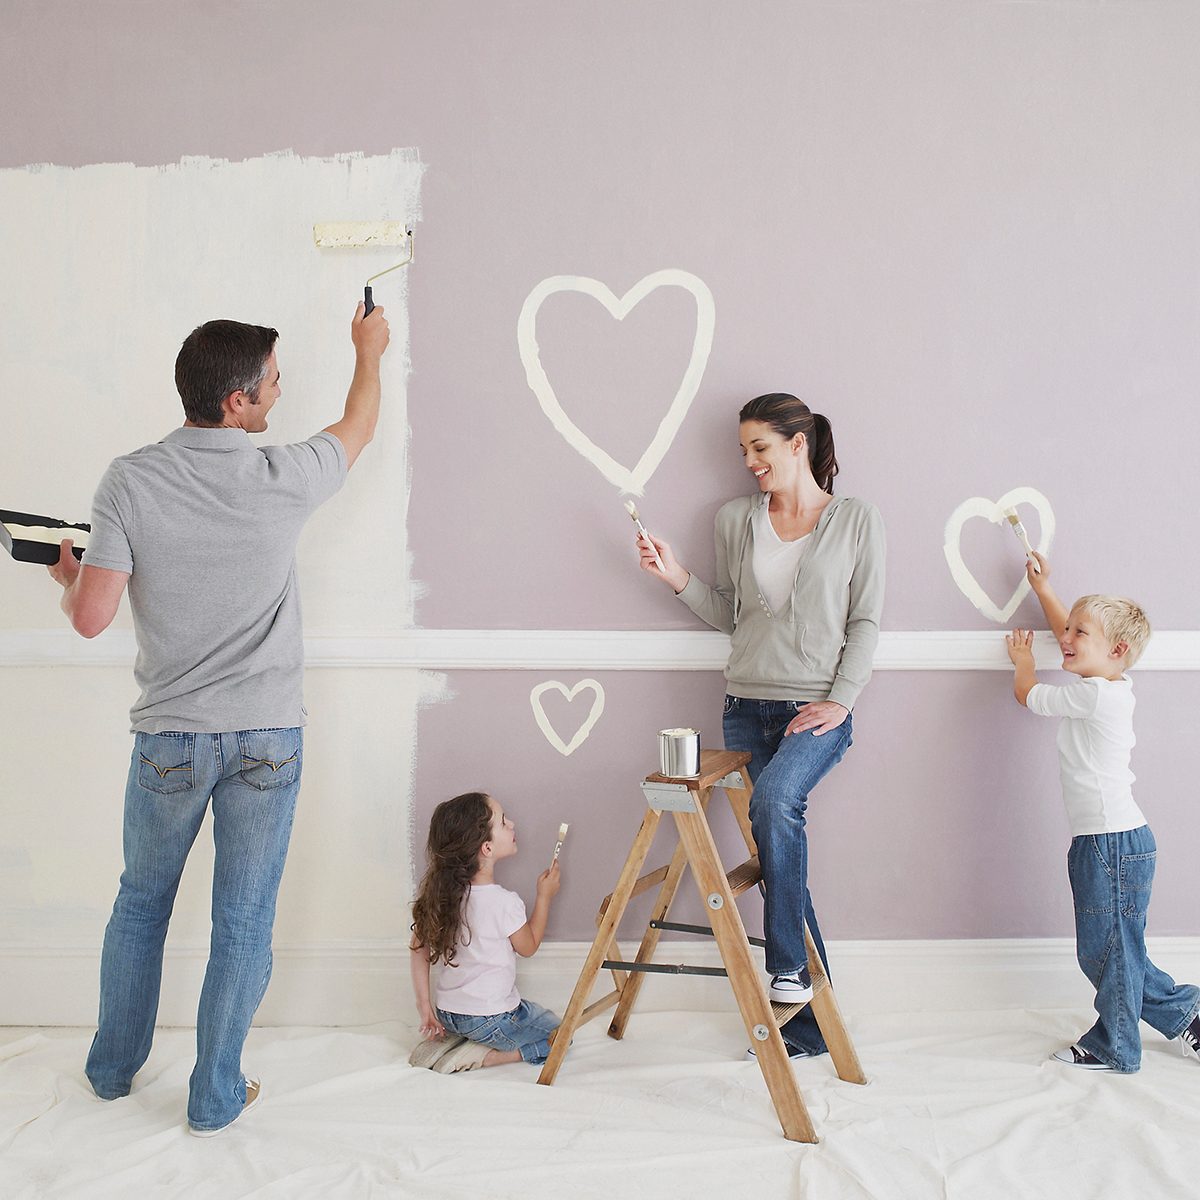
679, 752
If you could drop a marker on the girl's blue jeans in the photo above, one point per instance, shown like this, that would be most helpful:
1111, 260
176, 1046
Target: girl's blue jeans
252, 778
784, 771
527, 1028
1111, 877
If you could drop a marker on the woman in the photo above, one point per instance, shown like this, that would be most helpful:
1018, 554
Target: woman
800, 578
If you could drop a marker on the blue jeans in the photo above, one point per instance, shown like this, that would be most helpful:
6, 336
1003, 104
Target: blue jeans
784, 770
1111, 876
252, 778
527, 1028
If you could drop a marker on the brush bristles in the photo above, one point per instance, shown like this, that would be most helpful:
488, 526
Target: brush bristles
562, 831
631, 509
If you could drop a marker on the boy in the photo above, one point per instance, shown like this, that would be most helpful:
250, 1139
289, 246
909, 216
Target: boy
1111, 860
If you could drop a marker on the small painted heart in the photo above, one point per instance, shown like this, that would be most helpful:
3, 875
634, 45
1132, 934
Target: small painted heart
543, 721
993, 510
628, 480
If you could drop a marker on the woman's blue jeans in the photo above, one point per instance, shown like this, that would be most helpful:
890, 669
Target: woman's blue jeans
784, 771
252, 778
527, 1028
1111, 877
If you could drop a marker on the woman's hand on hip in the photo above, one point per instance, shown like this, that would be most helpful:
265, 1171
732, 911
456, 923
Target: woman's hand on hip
654, 551
821, 716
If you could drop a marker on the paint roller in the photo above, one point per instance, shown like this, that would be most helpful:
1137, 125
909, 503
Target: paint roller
339, 234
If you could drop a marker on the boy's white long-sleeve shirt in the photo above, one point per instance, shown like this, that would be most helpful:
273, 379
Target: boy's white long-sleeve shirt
1095, 740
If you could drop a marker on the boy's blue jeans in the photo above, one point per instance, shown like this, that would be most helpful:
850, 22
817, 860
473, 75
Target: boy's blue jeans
252, 777
527, 1028
1111, 876
784, 770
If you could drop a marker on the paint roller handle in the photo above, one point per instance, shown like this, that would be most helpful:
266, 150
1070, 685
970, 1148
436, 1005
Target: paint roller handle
368, 301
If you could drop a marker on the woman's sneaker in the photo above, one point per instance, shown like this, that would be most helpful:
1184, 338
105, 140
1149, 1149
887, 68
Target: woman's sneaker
792, 989
1189, 1040
427, 1053
793, 1052
1074, 1056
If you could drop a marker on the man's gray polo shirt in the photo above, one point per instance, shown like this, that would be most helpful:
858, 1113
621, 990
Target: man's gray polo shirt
206, 524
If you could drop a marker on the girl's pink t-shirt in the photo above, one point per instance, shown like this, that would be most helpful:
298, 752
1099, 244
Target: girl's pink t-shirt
483, 980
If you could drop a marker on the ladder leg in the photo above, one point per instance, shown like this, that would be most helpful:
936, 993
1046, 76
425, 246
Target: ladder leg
744, 977
633, 984
739, 801
829, 1020
596, 955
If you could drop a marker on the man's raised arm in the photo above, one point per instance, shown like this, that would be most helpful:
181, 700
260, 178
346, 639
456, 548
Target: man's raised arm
357, 426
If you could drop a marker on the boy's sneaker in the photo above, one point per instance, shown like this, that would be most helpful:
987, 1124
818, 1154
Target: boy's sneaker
793, 1052
427, 1053
1074, 1056
1189, 1040
792, 989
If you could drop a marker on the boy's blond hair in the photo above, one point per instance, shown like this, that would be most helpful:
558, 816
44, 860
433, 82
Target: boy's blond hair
1122, 621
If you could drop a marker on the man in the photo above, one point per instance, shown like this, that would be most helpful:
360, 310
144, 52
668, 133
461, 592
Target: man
202, 527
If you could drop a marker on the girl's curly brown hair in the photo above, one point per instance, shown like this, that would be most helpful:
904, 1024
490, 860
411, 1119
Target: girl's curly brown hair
457, 831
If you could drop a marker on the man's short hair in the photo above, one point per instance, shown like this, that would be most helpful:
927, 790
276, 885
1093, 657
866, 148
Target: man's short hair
1122, 621
217, 358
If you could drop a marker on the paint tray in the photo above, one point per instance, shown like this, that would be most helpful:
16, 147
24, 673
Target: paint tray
28, 549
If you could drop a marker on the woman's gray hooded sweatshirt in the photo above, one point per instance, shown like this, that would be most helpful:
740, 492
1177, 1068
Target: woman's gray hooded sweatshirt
822, 648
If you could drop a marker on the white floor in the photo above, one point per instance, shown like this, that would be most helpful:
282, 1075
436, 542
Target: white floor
962, 1106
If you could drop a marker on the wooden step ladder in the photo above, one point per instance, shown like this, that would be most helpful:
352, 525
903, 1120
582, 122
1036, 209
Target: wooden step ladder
686, 800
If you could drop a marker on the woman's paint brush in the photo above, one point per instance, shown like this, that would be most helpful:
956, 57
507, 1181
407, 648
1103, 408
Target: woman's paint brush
631, 509
562, 837
1019, 530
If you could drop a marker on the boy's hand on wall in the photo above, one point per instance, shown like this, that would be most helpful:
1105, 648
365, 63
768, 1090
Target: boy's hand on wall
1020, 645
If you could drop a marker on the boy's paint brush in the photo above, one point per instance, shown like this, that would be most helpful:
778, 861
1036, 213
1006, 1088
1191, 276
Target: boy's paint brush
1019, 530
562, 837
631, 509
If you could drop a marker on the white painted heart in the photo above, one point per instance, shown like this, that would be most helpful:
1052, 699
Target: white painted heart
543, 721
993, 510
628, 480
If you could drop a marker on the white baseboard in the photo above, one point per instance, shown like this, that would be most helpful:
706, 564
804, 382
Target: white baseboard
367, 982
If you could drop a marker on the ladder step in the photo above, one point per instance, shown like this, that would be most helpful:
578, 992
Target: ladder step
744, 876
785, 1012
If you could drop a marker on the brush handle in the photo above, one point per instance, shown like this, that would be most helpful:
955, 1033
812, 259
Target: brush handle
368, 301
658, 562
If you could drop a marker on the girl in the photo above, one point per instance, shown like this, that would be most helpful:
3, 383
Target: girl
799, 588
466, 920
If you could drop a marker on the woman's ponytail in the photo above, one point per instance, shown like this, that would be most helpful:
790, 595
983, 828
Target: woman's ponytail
821, 455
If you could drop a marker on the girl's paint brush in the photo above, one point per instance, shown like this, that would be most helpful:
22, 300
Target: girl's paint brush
562, 837
631, 509
1019, 530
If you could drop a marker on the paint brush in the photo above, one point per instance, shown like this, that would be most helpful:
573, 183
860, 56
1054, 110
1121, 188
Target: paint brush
562, 837
631, 509
1019, 530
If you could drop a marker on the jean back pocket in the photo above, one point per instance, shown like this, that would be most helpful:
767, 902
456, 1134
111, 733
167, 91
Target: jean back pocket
164, 762
270, 757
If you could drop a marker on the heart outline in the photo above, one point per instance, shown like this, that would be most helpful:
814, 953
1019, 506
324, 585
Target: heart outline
993, 510
543, 721
628, 481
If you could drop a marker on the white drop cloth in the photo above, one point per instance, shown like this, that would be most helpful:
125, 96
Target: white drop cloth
962, 1106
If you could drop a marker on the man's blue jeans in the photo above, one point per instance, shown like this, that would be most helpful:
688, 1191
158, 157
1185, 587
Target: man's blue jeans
526, 1028
1111, 876
784, 770
252, 778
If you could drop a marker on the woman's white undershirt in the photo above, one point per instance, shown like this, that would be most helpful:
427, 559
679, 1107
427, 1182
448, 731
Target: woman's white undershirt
776, 562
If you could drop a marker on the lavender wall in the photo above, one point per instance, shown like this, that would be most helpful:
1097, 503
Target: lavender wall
966, 231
